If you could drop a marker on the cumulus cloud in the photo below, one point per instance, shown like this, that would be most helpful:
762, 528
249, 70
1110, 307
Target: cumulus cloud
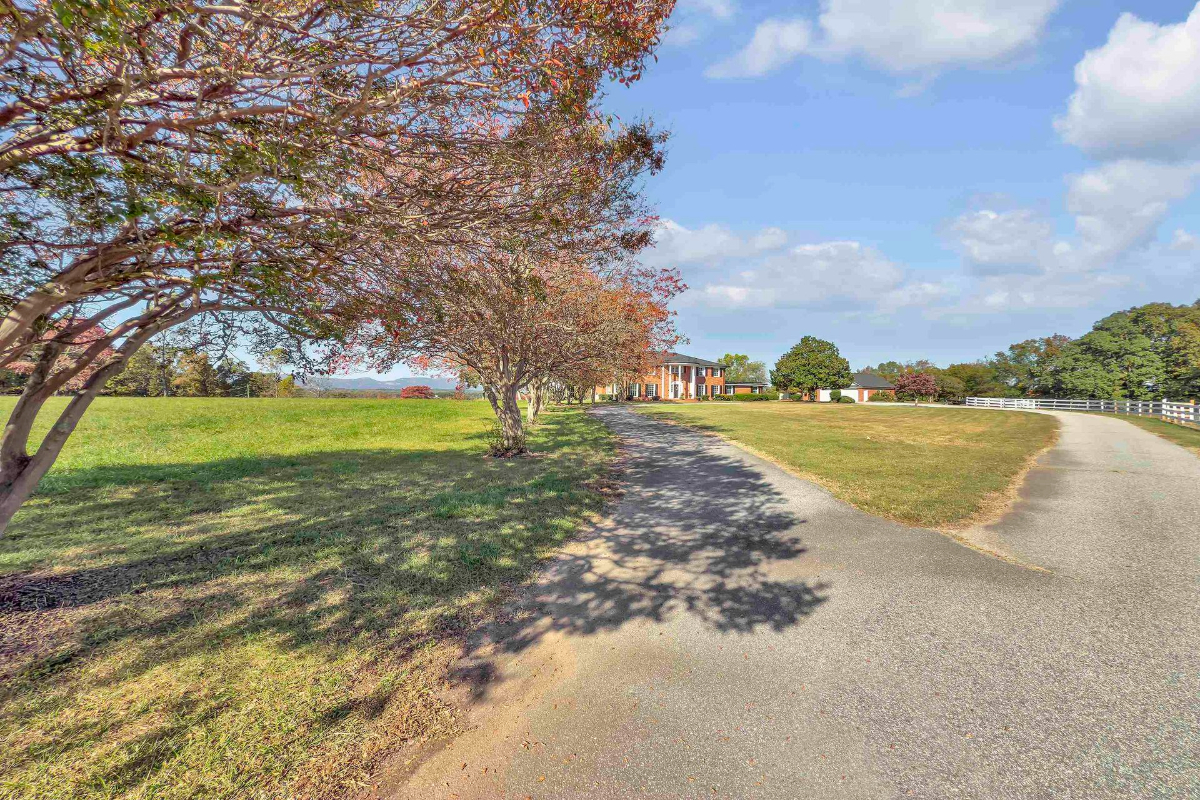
676, 245
775, 43
694, 19
1003, 241
1182, 240
845, 276
721, 9
901, 36
1138, 95
1119, 205
1117, 209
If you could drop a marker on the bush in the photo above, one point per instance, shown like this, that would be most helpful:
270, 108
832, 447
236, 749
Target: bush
882, 397
835, 396
703, 398
749, 398
845, 399
724, 397
417, 393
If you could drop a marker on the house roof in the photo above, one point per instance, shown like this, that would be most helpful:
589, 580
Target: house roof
745, 383
870, 380
680, 358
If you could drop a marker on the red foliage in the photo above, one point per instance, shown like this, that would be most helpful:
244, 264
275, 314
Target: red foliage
417, 393
916, 384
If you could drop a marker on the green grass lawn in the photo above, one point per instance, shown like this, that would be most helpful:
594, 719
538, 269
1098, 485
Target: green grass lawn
1182, 435
255, 598
934, 467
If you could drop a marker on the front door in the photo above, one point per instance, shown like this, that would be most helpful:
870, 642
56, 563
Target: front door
676, 388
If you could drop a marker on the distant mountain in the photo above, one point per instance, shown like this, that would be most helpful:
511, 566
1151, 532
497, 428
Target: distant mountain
376, 385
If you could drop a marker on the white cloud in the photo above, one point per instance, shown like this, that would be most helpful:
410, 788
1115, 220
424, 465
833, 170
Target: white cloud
1139, 93
694, 19
845, 275
721, 9
1117, 209
676, 245
775, 43
1182, 240
1003, 241
912, 35
901, 36
1120, 205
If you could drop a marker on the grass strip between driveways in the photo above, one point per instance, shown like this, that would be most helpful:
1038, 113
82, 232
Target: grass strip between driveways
256, 598
933, 467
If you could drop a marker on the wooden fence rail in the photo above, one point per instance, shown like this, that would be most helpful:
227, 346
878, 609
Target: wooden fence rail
1186, 413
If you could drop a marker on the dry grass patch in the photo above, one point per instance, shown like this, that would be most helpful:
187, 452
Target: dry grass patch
257, 598
933, 467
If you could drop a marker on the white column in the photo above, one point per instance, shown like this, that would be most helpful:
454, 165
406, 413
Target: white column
693, 381
662, 387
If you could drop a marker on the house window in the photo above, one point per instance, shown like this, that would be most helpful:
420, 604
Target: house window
753, 390
716, 390
729, 388
651, 390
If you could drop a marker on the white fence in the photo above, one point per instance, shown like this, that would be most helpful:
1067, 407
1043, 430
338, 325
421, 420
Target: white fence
1164, 409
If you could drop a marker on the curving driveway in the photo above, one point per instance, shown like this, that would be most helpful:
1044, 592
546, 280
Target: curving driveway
733, 631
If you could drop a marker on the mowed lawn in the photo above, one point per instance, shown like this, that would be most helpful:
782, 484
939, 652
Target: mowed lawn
254, 598
933, 467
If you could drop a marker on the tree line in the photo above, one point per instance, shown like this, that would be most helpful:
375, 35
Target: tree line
1144, 353
358, 182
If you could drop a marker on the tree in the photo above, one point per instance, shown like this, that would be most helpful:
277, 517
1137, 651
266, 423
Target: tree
740, 369
976, 379
916, 385
417, 393
810, 365
196, 376
163, 161
1025, 368
951, 388
514, 321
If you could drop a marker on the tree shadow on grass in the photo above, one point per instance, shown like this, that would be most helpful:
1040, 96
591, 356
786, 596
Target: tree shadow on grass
376, 553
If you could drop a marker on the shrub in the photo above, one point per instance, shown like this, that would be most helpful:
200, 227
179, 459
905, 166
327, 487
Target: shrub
845, 399
749, 398
703, 398
724, 397
882, 397
835, 396
417, 393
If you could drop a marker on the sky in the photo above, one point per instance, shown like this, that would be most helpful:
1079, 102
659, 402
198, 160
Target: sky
922, 178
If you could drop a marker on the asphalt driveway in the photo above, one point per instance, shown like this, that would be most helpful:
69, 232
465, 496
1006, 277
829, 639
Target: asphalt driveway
733, 631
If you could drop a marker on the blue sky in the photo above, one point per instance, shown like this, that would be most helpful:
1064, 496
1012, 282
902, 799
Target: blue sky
923, 178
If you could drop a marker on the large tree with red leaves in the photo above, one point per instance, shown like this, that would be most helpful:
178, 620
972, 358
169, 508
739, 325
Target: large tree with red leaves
916, 385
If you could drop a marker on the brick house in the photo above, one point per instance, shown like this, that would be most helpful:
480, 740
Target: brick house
679, 377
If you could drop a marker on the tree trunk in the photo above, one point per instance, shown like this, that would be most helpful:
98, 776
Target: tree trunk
508, 412
20, 472
537, 399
